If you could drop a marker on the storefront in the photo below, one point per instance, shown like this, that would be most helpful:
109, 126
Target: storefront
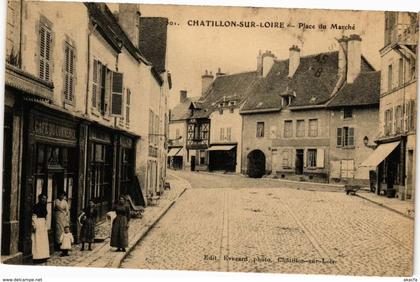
222, 157
50, 167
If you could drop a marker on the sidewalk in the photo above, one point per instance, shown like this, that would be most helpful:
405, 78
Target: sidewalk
404, 208
102, 254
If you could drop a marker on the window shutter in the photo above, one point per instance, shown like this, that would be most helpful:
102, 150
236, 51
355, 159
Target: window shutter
290, 151
94, 83
44, 51
305, 157
351, 137
127, 107
339, 137
117, 94
320, 158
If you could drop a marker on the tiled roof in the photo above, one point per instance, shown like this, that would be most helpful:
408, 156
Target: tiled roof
153, 38
181, 111
363, 91
229, 87
312, 84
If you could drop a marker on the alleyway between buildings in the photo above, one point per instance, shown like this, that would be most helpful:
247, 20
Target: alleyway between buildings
233, 223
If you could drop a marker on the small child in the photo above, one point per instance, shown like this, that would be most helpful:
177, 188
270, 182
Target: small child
66, 241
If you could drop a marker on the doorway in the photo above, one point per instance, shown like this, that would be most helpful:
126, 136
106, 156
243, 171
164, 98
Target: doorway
299, 162
256, 164
192, 163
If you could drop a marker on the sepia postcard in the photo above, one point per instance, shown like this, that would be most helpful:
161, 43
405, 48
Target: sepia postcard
209, 138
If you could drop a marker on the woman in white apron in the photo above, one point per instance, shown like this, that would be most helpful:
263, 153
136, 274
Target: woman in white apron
40, 244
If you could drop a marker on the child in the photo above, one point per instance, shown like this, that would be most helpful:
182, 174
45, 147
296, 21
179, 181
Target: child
87, 221
66, 240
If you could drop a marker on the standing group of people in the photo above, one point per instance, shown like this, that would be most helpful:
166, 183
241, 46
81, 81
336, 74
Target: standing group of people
62, 235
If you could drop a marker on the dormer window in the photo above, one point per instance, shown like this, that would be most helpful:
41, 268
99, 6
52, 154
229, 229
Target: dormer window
286, 101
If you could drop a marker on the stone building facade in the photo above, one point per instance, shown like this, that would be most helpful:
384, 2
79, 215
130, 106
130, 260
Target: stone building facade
69, 119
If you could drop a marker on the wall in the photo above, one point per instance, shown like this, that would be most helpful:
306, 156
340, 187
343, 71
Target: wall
226, 120
365, 123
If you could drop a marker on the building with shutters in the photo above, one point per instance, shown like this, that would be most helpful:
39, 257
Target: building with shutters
294, 126
393, 160
69, 119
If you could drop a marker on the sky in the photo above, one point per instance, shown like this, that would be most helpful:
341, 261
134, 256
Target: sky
193, 49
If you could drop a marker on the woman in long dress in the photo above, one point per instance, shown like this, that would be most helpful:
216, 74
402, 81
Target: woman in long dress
87, 220
119, 234
40, 244
61, 209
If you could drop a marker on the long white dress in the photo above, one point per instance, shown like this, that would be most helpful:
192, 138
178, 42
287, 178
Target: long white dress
40, 245
66, 240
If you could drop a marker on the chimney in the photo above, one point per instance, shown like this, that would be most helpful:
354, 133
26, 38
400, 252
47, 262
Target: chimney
220, 73
354, 57
182, 95
259, 63
294, 59
206, 81
342, 56
129, 19
267, 62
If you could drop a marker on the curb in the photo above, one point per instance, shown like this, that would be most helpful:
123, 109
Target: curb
385, 206
116, 262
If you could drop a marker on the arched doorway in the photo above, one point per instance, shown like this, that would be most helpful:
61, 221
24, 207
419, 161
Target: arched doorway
256, 164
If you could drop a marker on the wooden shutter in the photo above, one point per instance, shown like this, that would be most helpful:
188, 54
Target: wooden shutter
68, 73
45, 39
95, 76
127, 106
117, 94
339, 137
350, 141
320, 158
335, 169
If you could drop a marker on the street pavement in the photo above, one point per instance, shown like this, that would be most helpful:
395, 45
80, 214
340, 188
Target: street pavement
233, 223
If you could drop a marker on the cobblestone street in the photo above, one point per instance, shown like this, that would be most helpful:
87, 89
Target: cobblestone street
273, 228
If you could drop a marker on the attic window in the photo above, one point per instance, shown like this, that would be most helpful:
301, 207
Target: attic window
232, 103
260, 104
313, 99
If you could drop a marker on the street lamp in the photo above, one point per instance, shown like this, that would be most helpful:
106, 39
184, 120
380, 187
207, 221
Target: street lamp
366, 142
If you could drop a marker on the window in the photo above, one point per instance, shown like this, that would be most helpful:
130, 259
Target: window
99, 75
347, 169
288, 129
389, 77
45, 40
398, 119
300, 128
411, 115
69, 56
100, 172
348, 136
287, 158
388, 122
222, 134
348, 113
400, 72
313, 127
229, 134
197, 132
311, 161
127, 107
345, 137
117, 93
260, 129
202, 157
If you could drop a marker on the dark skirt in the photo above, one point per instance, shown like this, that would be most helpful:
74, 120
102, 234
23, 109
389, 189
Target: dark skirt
87, 232
119, 234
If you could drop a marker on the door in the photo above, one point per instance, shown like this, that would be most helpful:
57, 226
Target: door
256, 164
192, 163
299, 161
410, 181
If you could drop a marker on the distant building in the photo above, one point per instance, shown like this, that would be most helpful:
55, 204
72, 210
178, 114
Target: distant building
394, 157
293, 122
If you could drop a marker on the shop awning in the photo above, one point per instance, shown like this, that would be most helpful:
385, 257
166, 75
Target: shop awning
174, 151
221, 147
380, 153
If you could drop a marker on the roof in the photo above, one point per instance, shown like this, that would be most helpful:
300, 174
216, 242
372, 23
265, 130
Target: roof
311, 85
153, 39
181, 111
226, 87
363, 91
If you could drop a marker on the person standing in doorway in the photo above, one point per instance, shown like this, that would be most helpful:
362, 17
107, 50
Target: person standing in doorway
61, 212
40, 244
119, 234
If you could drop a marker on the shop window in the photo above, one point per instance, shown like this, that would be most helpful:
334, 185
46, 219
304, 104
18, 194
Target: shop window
126, 170
100, 172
